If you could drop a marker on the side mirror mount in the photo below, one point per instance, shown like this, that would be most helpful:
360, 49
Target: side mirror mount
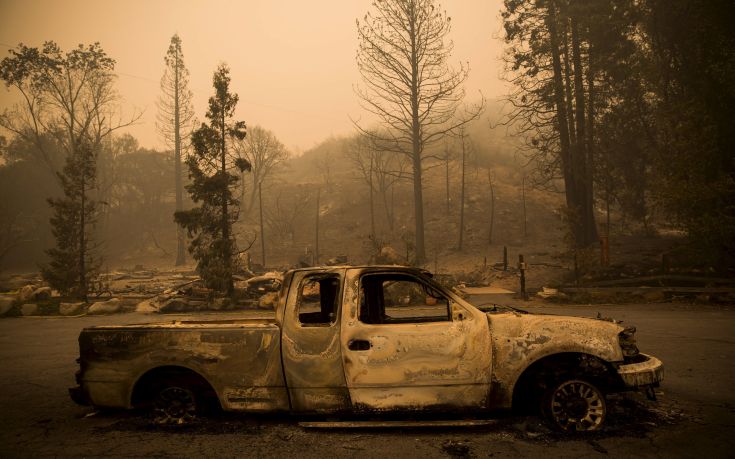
458, 312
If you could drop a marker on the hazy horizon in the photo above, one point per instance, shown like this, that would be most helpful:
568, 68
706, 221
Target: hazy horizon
292, 63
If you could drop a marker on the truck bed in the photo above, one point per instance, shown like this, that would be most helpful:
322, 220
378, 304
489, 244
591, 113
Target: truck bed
239, 358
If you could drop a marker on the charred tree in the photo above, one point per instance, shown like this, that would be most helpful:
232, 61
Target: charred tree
175, 122
408, 84
262, 149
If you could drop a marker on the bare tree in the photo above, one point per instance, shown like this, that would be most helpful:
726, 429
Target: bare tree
447, 159
491, 185
175, 123
364, 158
324, 164
380, 170
408, 84
264, 152
284, 213
68, 96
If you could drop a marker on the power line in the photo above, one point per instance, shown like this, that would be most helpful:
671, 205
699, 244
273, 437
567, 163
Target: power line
137, 77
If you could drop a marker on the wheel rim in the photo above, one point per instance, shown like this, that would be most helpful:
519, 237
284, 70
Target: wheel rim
175, 405
577, 406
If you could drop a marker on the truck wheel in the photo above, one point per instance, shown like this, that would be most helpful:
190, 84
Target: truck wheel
175, 404
575, 405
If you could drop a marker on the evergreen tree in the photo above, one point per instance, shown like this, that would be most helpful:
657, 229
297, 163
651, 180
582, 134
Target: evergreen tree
176, 121
73, 264
215, 171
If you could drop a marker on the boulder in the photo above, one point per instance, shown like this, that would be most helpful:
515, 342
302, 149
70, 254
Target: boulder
42, 294
110, 306
6, 303
146, 307
29, 309
25, 293
175, 304
70, 309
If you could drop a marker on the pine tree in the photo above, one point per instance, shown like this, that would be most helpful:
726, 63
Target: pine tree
215, 172
403, 57
176, 121
73, 264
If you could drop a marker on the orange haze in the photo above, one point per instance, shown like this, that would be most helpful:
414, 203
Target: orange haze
292, 61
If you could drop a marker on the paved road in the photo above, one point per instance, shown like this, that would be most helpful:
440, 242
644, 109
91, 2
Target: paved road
694, 417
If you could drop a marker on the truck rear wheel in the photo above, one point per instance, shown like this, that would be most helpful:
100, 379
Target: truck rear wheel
575, 405
175, 404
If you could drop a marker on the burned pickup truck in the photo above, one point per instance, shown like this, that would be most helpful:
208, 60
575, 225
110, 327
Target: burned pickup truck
371, 339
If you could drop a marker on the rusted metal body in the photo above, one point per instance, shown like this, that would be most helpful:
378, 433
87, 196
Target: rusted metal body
327, 351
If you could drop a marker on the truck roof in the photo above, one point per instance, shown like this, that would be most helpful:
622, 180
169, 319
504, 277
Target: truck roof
391, 267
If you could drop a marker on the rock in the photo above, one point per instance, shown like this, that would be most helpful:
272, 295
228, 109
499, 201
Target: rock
29, 309
70, 309
174, 305
25, 293
6, 303
145, 307
110, 306
548, 292
42, 294
268, 301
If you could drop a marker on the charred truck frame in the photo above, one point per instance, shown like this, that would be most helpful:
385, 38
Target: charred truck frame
366, 339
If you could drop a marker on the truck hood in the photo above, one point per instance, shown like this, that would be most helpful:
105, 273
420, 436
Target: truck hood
524, 335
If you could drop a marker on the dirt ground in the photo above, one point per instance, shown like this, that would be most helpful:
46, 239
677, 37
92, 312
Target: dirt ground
694, 416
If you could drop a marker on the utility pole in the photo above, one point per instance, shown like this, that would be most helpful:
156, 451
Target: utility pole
492, 207
523, 196
262, 233
522, 268
316, 251
461, 197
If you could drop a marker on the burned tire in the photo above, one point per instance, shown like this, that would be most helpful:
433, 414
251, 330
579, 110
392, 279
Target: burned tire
175, 403
575, 405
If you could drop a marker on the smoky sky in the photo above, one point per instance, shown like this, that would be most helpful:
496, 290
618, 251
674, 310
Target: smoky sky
292, 61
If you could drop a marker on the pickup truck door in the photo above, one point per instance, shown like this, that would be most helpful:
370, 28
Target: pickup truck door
408, 346
312, 355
